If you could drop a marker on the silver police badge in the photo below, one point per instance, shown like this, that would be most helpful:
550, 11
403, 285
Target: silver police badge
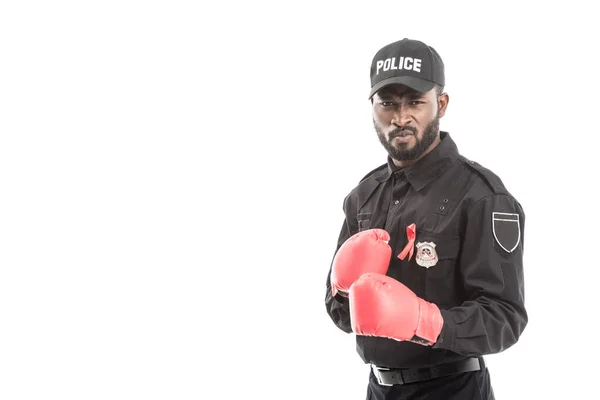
426, 254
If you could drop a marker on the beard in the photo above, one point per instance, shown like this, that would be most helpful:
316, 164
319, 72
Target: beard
403, 152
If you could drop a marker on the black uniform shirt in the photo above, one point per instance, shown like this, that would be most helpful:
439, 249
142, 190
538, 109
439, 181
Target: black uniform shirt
476, 228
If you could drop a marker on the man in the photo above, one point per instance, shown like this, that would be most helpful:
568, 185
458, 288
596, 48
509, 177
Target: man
428, 268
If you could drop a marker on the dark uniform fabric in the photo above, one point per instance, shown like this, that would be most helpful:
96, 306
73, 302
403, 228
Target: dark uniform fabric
465, 386
477, 227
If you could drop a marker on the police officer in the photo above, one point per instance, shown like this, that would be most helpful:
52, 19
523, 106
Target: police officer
428, 270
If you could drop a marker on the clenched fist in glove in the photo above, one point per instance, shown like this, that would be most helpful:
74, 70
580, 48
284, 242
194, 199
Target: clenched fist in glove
382, 306
366, 251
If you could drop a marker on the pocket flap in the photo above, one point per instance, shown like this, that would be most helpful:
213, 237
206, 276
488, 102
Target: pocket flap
446, 247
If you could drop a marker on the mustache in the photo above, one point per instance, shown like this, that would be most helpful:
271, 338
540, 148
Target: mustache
398, 131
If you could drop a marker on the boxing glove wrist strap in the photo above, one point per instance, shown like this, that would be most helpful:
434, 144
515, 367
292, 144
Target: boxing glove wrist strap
430, 323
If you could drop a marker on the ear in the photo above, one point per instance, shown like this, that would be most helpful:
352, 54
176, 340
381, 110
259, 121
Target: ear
443, 101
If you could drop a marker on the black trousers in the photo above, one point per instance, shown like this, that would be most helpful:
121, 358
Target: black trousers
466, 386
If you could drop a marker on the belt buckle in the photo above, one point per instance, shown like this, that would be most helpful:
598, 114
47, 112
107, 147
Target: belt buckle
376, 370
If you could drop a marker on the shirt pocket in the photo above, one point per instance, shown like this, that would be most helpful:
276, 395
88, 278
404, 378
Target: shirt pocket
364, 221
438, 256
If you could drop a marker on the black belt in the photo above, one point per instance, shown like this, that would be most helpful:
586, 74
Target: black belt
400, 376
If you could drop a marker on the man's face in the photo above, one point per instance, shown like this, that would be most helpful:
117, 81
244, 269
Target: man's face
407, 121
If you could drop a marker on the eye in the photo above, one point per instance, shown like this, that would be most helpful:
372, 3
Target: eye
416, 102
387, 103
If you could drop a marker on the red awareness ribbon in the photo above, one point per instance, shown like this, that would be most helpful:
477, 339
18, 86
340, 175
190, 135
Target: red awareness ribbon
411, 233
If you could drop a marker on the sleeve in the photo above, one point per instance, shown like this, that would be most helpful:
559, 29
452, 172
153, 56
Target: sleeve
338, 307
491, 268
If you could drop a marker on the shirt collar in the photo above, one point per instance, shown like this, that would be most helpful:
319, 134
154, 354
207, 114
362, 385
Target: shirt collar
428, 168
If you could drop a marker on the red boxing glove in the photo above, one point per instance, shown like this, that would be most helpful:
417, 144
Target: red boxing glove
382, 306
366, 251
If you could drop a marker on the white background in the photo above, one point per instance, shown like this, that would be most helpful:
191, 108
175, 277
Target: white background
172, 176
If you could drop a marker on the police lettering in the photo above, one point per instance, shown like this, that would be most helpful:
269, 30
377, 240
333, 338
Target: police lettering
406, 63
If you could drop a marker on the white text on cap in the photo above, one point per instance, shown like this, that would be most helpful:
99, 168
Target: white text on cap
406, 63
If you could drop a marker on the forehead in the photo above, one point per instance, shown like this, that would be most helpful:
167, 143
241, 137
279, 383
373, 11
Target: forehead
398, 90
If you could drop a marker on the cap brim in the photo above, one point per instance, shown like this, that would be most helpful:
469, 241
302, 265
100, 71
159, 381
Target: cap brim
420, 85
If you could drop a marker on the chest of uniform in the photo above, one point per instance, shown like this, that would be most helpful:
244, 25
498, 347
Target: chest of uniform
424, 228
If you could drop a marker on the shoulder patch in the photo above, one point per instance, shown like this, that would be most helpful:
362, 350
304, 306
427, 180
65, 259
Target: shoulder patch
507, 230
490, 178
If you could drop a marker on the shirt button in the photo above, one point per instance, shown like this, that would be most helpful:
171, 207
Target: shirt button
397, 202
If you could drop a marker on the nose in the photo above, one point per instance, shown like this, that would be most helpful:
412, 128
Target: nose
401, 116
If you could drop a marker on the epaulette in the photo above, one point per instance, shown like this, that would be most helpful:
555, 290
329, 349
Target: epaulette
366, 187
491, 179
381, 167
